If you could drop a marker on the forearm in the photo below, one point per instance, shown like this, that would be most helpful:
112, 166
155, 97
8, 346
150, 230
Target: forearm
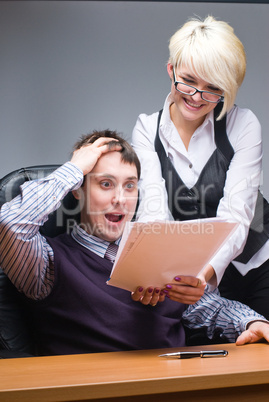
25, 256
241, 186
219, 316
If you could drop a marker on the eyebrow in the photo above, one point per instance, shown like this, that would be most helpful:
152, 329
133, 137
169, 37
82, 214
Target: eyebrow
110, 176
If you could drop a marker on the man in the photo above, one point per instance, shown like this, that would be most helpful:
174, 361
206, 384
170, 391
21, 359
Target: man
73, 309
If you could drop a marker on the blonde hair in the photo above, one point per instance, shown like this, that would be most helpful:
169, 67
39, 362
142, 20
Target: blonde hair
212, 52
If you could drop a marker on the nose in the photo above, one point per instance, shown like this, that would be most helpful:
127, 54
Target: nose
119, 196
197, 96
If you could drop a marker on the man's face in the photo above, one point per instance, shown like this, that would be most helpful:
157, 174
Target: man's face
109, 197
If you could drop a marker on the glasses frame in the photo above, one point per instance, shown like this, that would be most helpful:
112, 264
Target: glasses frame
221, 97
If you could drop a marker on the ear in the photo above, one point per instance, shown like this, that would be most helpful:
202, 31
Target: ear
77, 194
170, 70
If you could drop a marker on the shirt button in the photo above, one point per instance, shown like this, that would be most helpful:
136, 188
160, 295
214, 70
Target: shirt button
190, 165
189, 194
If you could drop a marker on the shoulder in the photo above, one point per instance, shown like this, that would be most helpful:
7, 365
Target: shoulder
241, 117
145, 130
243, 124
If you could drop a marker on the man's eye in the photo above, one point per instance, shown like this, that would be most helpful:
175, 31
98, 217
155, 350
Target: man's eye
105, 184
130, 186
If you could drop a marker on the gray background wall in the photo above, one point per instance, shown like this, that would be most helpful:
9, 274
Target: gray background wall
67, 67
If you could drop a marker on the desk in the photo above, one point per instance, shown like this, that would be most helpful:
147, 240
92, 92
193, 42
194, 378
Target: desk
139, 376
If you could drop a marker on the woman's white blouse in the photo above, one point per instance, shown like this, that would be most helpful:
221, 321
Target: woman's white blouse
242, 181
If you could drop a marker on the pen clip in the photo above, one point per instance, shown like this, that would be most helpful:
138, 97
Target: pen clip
213, 353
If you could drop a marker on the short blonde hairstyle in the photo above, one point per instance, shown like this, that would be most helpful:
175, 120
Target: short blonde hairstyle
212, 52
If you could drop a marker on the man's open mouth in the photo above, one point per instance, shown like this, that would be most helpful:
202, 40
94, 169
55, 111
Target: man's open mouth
114, 217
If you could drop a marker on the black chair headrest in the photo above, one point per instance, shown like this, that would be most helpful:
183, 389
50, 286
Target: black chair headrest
59, 221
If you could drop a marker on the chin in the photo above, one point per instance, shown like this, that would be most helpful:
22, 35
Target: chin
111, 236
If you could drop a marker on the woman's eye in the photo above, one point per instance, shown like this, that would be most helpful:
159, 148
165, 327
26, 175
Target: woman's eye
187, 80
213, 89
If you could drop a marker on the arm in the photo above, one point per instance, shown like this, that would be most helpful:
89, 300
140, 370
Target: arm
153, 196
242, 183
154, 205
228, 318
25, 256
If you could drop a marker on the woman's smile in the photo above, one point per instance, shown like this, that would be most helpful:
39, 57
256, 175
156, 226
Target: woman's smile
193, 105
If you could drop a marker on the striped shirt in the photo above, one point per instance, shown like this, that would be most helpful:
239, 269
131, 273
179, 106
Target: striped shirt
27, 258
92, 243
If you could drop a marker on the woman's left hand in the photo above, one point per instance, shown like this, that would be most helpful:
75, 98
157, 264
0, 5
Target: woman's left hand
185, 289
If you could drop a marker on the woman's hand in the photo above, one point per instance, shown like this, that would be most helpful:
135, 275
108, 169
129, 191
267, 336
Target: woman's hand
185, 289
151, 296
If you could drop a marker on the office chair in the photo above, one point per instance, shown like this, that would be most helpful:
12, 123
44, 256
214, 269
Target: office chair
16, 338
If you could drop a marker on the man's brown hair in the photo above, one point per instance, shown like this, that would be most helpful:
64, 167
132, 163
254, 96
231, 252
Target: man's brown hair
128, 154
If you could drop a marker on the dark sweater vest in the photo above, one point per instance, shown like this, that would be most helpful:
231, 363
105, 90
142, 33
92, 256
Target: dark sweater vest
202, 200
83, 314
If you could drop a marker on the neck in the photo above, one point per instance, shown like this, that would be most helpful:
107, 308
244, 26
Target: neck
185, 128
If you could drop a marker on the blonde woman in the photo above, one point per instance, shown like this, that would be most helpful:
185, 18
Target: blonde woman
201, 157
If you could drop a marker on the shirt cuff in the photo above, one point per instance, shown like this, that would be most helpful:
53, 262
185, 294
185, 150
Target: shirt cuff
70, 175
246, 322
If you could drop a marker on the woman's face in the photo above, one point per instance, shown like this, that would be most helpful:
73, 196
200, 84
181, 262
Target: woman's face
191, 107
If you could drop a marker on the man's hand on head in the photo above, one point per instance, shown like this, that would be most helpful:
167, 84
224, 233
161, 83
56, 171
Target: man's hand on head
87, 156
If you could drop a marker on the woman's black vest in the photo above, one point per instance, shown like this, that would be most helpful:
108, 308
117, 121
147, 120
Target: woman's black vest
202, 200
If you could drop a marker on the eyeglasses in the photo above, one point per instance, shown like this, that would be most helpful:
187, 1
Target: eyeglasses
190, 90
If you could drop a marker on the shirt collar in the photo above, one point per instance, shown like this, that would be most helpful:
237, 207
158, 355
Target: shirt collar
90, 242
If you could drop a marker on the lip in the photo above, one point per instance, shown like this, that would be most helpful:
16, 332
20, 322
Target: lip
195, 108
115, 218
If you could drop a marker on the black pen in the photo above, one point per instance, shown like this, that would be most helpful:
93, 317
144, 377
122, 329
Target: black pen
201, 353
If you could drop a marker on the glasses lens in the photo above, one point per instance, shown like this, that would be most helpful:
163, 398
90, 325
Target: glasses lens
210, 97
185, 89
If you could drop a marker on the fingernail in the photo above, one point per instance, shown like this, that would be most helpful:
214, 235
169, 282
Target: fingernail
140, 289
168, 286
157, 290
164, 292
150, 290
177, 278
